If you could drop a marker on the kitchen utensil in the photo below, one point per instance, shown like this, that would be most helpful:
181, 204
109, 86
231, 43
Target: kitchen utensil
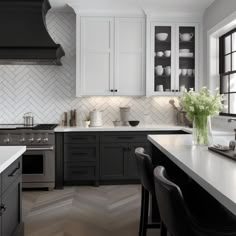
185, 37
159, 70
184, 72
160, 54
162, 36
28, 119
167, 53
190, 72
172, 102
159, 88
95, 118
168, 70
133, 122
184, 50
124, 115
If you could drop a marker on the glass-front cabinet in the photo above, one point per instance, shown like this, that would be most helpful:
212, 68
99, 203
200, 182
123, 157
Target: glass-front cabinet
174, 61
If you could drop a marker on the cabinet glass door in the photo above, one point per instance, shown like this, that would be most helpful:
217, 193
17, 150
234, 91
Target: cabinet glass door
187, 46
163, 50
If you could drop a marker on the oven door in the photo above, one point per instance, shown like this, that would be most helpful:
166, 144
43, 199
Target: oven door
38, 165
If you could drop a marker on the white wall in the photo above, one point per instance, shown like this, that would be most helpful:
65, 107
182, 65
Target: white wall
215, 15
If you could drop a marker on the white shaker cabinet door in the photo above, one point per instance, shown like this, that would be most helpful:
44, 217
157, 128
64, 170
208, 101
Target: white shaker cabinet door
97, 49
129, 56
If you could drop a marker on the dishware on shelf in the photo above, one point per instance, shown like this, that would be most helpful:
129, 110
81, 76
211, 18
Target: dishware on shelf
180, 71
186, 37
193, 72
133, 122
186, 54
167, 53
184, 72
189, 72
168, 70
159, 70
184, 50
159, 88
162, 36
160, 54
167, 90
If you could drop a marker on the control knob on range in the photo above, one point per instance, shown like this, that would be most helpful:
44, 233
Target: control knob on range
38, 140
31, 140
6, 140
45, 140
22, 140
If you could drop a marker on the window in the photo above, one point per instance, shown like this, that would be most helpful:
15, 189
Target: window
228, 72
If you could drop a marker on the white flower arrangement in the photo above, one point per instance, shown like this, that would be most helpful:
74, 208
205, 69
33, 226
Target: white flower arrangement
201, 103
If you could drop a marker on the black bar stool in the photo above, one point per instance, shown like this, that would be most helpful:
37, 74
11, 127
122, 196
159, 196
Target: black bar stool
145, 170
178, 220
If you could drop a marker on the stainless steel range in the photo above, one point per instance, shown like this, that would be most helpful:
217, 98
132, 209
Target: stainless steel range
38, 161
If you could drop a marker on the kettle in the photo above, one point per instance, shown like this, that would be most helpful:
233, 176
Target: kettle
28, 119
95, 118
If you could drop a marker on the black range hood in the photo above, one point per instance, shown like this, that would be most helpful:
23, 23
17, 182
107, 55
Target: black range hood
24, 38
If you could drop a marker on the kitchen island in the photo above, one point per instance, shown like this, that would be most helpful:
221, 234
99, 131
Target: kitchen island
213, 172
10, 190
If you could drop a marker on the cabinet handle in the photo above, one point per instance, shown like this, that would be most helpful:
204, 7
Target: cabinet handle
176, 90
2, 208
79, 153
125, 137
79, 138
172, 90
116, 90
112, 90
14, 172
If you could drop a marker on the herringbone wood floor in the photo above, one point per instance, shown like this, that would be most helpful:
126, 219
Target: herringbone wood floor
83, 211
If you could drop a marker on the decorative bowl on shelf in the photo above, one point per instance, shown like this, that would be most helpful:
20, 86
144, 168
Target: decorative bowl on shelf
184, 50
133, 122
186, 37
160, 54
162, 36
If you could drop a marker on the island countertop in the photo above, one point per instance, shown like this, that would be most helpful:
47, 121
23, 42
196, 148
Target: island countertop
215, 173
8, 154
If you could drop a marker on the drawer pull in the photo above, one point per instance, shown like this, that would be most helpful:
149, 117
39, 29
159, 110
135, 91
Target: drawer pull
14, 172
79, 138
80, 172
79, 153
125, 137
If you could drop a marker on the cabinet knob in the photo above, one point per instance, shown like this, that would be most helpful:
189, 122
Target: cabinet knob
2, 208
115, 90
112, 90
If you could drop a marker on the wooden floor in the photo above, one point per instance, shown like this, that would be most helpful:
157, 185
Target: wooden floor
83, 211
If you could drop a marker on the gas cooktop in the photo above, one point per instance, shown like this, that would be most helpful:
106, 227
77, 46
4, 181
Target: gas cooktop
34, 127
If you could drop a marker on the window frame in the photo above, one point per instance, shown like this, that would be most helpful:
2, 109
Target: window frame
222, 72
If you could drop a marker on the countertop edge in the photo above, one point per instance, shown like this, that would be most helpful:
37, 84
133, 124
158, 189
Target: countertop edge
11, 159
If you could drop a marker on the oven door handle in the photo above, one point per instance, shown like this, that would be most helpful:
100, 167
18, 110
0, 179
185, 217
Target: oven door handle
50, 148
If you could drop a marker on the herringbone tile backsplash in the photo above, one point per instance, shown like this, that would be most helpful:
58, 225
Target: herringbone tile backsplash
48, 91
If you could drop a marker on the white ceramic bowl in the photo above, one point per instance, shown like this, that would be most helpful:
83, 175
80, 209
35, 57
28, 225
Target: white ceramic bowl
160, 54
162, 36
167, 53
184, 50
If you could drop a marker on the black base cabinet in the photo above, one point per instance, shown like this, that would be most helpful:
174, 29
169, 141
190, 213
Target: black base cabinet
10, 209
99, 157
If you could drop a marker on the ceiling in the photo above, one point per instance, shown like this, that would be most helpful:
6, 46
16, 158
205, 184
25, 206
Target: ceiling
147, 5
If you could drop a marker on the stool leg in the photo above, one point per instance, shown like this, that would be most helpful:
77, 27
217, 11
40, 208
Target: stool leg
163, 230
145, 213
141, 222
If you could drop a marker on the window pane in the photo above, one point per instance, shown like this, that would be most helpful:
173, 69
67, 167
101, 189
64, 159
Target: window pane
227, 63
228, 44
233, 83
224, 84
232, 108
234, 42
234, 61
225, 104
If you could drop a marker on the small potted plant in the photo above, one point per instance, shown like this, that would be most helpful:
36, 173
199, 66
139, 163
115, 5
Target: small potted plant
87, 122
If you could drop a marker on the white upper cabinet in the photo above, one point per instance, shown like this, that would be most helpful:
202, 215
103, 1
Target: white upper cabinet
112, 57
129, 56
97, 50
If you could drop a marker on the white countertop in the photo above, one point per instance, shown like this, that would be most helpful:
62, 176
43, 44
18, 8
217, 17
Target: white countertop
122, 128
215, 173
8, 154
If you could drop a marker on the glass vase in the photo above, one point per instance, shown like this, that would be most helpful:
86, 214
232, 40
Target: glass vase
202, 133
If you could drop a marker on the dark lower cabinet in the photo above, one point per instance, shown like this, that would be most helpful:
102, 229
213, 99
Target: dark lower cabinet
10, 208
11, 216
100, 157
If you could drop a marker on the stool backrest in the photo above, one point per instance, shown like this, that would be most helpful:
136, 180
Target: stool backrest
145, 169
173, 211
